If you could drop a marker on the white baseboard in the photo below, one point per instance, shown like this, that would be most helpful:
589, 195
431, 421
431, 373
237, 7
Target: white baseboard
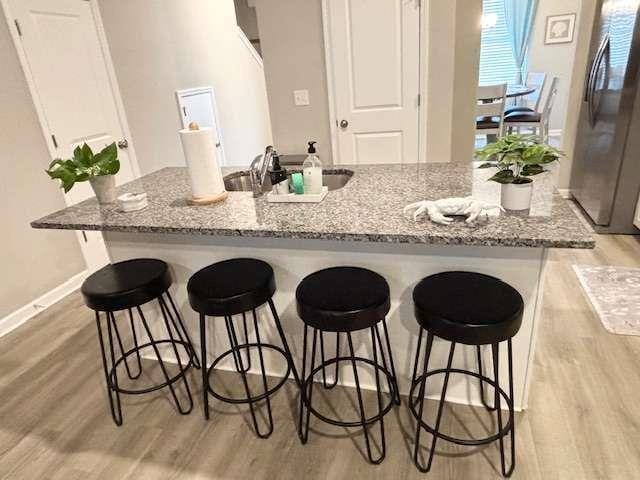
565, 193
23, 314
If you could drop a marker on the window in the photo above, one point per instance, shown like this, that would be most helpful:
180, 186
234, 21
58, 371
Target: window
496, 57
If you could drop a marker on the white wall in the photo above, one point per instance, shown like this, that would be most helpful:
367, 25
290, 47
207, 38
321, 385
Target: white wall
292, 44
556, 59
33, 261
160, 46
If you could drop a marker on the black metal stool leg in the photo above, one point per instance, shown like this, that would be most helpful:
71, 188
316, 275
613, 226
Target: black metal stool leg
161, 362
324, 374
114, 405
421, 391
181, 329
512, 413
305, 397
135, 343
122, 349
264, 374
165, 314
495, 349
203, 363
246, 340
417, 359
285, 345
233, 340
361, 405
443, 395
228, 319
486, 405
393, 387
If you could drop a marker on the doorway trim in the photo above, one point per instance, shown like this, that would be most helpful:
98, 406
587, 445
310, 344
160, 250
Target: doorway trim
113, 81
423, 54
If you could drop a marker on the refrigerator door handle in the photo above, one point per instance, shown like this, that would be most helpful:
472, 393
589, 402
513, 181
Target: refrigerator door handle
593, 76
587, 86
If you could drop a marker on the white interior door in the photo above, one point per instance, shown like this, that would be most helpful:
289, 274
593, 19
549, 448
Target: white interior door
199, 105
374, 56
65, 62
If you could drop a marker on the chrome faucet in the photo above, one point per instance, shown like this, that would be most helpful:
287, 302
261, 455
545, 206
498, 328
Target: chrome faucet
258, 169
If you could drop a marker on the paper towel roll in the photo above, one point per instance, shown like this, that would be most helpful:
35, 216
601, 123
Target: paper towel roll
201, 155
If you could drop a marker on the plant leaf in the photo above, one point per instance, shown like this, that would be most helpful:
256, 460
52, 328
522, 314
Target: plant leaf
503, 176
106, 161
488, 165
521, 180
530, 170
63, 170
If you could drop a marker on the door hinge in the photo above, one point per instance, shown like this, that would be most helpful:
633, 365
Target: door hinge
55, 142
418, 99
18, 26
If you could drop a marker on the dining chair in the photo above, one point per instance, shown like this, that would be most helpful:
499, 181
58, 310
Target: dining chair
530, 102
490, 104
539, 120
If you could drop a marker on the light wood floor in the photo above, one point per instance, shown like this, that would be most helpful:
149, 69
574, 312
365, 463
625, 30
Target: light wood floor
583, 421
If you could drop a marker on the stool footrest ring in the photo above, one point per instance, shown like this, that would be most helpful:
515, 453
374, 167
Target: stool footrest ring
461, 441
247, 347
112, 372
358, 423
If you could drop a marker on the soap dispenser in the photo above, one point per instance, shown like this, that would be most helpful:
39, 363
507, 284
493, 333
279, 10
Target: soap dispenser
312, 171
278, 176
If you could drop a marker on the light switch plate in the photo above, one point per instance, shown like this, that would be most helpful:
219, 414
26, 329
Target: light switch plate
301, 97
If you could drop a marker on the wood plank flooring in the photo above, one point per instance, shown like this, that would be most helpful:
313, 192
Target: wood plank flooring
583, 421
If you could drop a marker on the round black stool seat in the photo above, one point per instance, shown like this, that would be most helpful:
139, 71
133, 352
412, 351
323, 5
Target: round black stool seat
126, 284
343, 299
468, 307
231, 287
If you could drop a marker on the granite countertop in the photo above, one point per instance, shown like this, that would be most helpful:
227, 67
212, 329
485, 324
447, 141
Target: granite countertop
368, 208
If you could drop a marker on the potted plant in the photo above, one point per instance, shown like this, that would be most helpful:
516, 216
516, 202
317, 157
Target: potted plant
518, 158
99, 169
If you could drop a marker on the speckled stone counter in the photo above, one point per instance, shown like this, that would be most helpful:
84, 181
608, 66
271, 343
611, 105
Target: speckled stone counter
368, 208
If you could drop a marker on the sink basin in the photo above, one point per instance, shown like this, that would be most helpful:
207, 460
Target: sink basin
334, 179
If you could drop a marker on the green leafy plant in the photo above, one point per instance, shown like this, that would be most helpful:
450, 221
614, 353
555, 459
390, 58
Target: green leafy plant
517, 157
84, 165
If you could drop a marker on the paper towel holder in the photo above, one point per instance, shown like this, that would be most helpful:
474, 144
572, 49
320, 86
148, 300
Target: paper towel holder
208, 200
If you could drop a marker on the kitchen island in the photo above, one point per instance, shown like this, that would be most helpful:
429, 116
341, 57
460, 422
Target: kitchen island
360, 224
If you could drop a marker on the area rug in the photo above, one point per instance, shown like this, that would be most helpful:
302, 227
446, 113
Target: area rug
614, 293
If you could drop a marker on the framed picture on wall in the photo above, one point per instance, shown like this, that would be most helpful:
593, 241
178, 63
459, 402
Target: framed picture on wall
560, 28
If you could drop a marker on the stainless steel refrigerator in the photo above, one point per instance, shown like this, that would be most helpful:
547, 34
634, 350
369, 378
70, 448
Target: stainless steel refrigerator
605, 178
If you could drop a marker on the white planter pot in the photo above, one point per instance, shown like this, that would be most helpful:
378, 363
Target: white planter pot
104, 186
516, 196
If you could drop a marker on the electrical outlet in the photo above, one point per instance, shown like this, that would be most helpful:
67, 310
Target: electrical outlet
301, 97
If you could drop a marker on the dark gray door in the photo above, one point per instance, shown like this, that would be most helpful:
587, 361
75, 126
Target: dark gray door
606, 109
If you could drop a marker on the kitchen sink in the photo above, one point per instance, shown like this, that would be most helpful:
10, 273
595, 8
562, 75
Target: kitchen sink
334, 179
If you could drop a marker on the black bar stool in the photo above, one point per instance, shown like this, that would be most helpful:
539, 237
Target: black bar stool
234, 287
345, 300
127, 286
472, 309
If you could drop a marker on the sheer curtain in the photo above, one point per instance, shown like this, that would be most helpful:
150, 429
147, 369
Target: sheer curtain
519, 16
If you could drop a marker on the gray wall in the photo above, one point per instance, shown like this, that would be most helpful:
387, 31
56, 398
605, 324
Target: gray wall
453, 61
582, 39
160, 46
293, 53
33, 261
557, 59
